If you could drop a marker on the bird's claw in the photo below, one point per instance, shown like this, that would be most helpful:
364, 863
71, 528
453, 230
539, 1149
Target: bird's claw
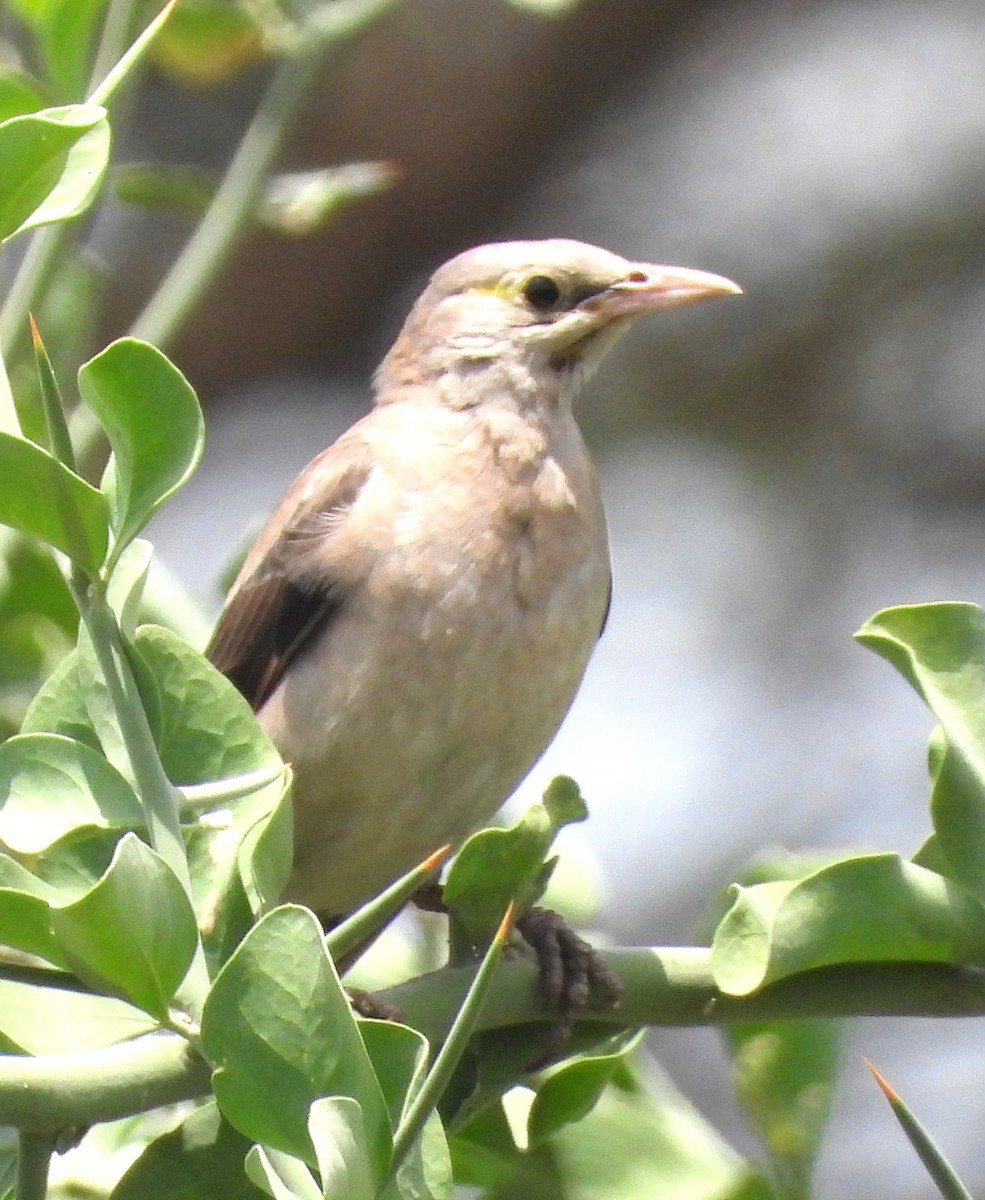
368, 1004
571, 976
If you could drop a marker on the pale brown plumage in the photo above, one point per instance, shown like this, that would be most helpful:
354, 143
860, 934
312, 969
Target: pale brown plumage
413, 622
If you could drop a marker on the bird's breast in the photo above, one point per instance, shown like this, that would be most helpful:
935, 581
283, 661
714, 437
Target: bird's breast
448, 669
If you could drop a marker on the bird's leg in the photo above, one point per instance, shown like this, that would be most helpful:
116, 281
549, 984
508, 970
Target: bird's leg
364, 1003
571, 976
430, 898
368, 1004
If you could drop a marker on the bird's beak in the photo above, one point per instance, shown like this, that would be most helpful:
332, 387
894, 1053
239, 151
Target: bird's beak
647, 287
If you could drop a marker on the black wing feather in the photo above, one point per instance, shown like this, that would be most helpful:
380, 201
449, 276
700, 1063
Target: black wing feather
286, 601
265, 627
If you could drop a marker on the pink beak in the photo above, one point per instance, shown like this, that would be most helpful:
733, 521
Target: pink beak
648, 287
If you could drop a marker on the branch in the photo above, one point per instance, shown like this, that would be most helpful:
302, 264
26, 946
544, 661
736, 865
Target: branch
65, 1091
663, 987
674, 986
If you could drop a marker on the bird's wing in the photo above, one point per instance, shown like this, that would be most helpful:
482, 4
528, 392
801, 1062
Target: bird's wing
608, 608
286, 591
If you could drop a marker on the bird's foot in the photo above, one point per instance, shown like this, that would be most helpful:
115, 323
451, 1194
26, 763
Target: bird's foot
368, 1004
571, 976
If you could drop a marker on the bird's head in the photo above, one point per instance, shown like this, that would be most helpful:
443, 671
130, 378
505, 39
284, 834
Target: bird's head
523, 318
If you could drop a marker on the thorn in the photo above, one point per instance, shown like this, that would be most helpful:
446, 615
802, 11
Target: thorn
887, 1090
503, 932
35, 333
390, 172
432, 860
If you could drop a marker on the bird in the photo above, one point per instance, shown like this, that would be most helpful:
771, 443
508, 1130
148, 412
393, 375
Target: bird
415, 618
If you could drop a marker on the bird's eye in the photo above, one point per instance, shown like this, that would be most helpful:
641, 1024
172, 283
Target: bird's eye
541, 292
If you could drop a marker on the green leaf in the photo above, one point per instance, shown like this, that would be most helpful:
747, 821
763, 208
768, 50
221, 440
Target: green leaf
28, 11
873, 908
126, 586
78, 185
546, 8
281, 1175
60, 705
134, 931
33, 585
240, 858
52, 785
66, 31
45, 499
930, 855
573, 1090
634, 1144
940, 650
277, 1023
785, 1074
51, 164
484, 1150
496, 866
236, 815
426, 1173
25, 916
200, 1160
399, 1056
300, 202
178, 188
99, 706
19, 94
154, 425
206, 41
76, 862
52, 1020
75, 703
37, 624
205, 729
335, 1124
266, 853
498, 1057
31, 648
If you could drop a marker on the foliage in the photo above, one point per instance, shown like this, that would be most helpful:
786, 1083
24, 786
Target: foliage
145, 825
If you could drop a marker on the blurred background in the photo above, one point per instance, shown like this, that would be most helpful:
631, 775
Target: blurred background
776, 468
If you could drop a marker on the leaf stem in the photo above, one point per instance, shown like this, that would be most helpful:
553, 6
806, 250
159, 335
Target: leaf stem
103, 92
158, 795
33, 1159
46, 244
35, 268
9, 420
112, 39
59, 439
234, 204
452, 1048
